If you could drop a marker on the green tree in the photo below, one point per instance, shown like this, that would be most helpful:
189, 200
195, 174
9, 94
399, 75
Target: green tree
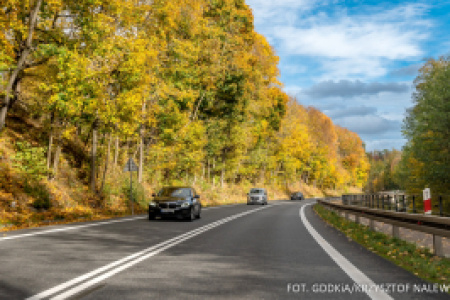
427, 125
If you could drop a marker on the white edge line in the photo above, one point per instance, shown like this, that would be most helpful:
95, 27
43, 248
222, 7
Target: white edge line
18, 236
68, 228
130, 260
355, 274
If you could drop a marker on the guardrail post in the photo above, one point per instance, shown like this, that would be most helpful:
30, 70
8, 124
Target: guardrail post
396, 202
378, 201
395, 231
372, 224
437, 245
441, 212
382, 202
414, 204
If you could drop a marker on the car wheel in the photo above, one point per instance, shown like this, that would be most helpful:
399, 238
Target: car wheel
150, 217
191, 216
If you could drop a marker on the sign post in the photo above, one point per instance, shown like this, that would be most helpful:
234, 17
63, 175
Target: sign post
131, 167
427, 201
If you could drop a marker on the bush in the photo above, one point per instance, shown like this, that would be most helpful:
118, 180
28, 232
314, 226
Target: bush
138, 192
39, 193
30, 161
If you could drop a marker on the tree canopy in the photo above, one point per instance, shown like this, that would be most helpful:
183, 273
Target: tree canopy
190, 82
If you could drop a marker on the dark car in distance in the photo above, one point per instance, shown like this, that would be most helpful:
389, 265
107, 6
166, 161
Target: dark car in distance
175, 202
297, 196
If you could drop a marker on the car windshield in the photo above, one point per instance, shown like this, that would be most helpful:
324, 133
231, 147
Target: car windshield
257, 191
174, 192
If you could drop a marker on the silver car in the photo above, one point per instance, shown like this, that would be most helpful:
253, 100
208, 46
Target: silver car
257, 196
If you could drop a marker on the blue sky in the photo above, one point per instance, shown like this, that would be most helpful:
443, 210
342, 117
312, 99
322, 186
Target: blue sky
355, 60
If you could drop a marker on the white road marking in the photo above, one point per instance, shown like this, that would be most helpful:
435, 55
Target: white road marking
113, 268
67, 228
358, 277
13, 237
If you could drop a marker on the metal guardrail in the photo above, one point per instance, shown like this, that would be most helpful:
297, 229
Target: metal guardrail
399, 202
437, 226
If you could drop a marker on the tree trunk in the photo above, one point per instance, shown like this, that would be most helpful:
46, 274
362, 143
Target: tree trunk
221, 177
141, 146
105, 170
141, 159
20, 64
214, 167
94, 156
209, 172
78, 130
116, 151
56, 161
49, 151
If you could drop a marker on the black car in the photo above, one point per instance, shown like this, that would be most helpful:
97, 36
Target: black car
297, 196
175, 202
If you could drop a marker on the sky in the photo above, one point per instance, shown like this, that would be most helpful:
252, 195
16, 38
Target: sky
355, 60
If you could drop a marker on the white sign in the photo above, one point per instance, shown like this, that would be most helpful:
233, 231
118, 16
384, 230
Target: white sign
427, 201
130, 166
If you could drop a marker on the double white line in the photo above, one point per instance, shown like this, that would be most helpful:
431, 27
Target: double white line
86, 281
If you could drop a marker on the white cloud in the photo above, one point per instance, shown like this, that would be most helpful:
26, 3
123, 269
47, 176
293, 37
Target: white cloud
279, 12
384, 144
293, 69
349, 111
411, 70
351, 89
347, 46
320, 40
349, 39
370, 124
293, 90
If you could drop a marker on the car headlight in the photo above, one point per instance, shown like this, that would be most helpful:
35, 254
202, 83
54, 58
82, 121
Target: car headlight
185, 204
152, 204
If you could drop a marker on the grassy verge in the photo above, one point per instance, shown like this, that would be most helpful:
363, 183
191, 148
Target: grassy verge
418, 260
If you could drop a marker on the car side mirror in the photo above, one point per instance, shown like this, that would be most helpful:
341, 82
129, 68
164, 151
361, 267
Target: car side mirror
197, 196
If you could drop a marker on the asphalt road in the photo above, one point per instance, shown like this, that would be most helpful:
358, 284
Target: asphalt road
279, 251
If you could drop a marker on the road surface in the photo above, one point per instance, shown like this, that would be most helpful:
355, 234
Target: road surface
279, 251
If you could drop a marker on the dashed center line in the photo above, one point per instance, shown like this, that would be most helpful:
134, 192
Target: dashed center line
81, 283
